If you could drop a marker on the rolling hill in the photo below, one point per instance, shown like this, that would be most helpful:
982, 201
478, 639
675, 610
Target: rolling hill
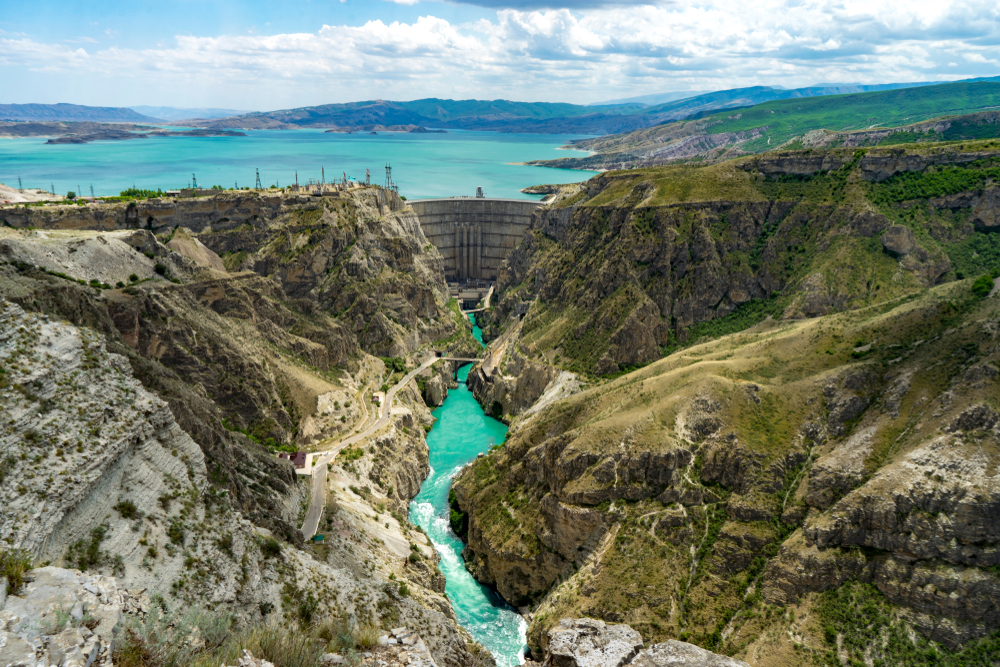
793, 123
71, 112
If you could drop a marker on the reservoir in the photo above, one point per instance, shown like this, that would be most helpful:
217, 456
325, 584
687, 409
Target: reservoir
461, 432
423, 165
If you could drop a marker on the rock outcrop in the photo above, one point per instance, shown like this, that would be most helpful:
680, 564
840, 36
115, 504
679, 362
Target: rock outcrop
586, 642
609, 279
772, 465
63, 618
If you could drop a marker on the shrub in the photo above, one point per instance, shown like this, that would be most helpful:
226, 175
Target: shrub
127, 509
8, 462
271, 548
225, 543
176, 533
13, 564
983, 286
160, 268
133, 278
83, 554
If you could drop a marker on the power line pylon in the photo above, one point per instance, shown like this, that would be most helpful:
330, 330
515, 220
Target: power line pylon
258, 186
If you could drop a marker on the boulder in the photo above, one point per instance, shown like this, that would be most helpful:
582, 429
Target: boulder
15, 652
898, 241
673, 653
587, 642
434, 392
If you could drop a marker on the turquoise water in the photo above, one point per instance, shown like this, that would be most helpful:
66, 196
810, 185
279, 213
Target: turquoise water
424, 165
462, 431
476, 331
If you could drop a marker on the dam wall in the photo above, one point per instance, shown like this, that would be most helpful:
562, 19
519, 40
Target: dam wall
473, 234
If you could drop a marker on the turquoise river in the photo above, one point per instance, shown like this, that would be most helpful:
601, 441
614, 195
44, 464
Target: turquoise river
424, 165
463, 431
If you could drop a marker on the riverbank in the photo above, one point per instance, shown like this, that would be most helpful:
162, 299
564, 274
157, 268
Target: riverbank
462, 432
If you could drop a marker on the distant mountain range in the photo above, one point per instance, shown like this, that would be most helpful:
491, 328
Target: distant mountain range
618, 116
535, 117
180, 113
71, 112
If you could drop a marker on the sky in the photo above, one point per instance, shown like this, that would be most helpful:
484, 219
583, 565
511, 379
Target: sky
257, 55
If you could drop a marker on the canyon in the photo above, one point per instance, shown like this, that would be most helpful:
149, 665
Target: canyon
752, 405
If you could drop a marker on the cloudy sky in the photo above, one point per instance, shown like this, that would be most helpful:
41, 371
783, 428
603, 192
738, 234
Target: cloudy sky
287, 53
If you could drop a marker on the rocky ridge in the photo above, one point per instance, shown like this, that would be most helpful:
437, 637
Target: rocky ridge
767, 470
193, 372
586, 642
642, 261
129, 492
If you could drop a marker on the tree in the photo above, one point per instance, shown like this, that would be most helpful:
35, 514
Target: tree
70, 195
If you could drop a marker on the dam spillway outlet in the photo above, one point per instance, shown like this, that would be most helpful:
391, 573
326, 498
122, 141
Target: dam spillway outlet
473, 234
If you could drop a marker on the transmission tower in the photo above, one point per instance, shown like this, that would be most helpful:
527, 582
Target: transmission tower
53, 190
258, 187
19, 188
194, 182
322, 178
91, 189
296, 179
388, 176
368, 177
479, 193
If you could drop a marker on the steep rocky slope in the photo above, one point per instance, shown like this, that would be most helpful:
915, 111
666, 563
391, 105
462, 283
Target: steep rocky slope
98, 475
638, 262
756, 492
148, 386
346, 253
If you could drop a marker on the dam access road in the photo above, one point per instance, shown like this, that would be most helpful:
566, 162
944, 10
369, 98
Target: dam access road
317, 501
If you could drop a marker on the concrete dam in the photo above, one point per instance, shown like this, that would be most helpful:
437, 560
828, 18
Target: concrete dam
473, 234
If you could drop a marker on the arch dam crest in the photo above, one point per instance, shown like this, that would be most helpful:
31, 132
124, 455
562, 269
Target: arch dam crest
473, 235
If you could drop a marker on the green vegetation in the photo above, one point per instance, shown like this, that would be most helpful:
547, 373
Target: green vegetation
458, 519
394, 364
127, 509
743, 317
349, 454
271, 548
85, 554
785, 119
983, 285
14, 563
869, 628
932, 183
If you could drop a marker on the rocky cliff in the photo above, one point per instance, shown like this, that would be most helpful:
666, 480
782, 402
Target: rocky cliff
642, 261
344, 254
149, 380
755, 492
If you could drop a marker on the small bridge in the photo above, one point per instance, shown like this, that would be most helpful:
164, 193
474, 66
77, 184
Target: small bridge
473, 234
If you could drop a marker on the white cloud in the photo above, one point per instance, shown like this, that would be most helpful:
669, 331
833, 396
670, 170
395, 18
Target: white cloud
550, 54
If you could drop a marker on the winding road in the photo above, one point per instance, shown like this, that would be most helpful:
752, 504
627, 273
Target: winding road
318, 492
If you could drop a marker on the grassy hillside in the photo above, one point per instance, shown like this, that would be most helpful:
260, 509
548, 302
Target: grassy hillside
769, 125
785, 119
647, 260
696, 498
